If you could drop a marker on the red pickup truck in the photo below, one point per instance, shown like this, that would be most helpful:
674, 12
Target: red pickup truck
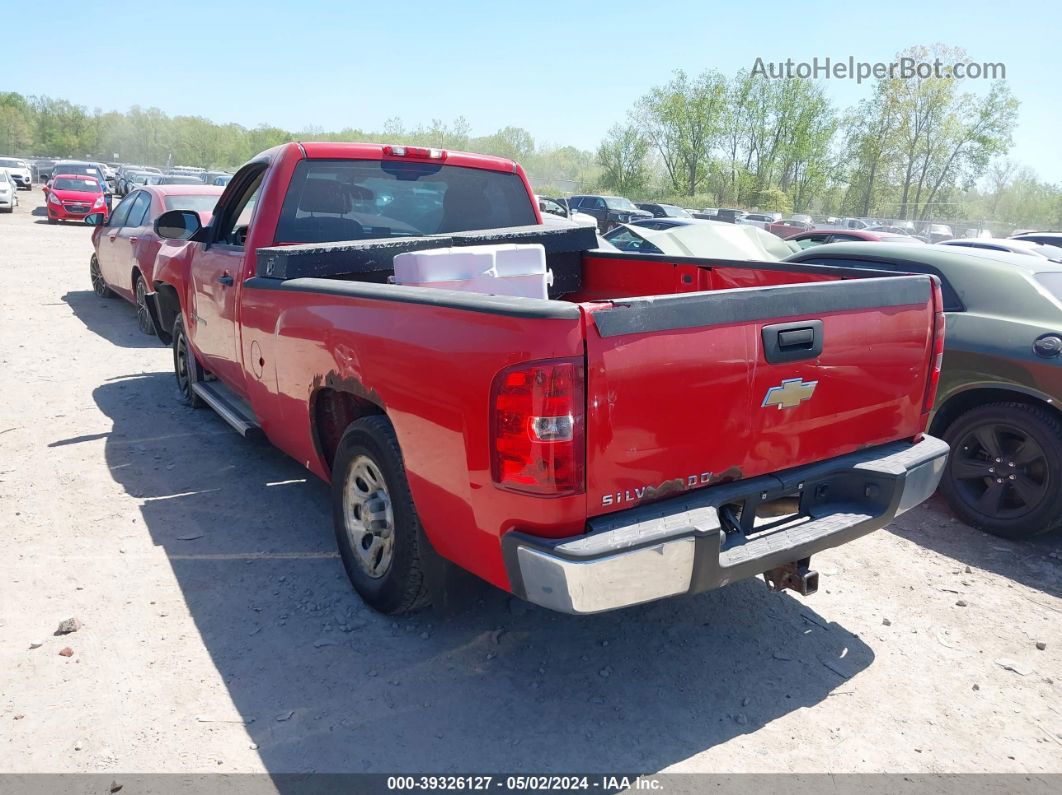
657, 426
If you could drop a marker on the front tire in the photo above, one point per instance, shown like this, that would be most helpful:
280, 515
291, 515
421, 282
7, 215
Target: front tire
1004, 474
377, 530
143, 316
185, 366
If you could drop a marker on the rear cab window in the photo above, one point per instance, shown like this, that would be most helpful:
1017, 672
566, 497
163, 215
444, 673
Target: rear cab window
330, 200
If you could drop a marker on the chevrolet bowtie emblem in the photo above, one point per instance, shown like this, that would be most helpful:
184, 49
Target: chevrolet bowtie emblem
791, 393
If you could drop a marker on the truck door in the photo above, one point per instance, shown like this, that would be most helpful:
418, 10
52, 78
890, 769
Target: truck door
215, 276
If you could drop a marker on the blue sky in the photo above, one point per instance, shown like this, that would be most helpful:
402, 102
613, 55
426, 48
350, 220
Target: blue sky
565, 71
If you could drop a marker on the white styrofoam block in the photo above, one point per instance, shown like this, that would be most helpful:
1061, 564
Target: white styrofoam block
507, 269
466, 262
526, 285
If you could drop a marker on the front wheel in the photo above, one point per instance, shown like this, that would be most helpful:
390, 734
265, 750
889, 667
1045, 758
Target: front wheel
143, 316
377, 529
1004, 474
185, 366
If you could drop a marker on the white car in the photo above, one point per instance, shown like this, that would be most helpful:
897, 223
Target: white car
19, 171
706, 239
8, 192
1053, 253
553, 211
761, 220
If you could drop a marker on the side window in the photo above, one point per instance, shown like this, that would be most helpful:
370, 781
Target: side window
236, 215
599, 204
573, 202
839, 238
121, 212
138, 210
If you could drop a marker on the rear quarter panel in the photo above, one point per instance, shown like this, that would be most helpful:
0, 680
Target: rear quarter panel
430, 368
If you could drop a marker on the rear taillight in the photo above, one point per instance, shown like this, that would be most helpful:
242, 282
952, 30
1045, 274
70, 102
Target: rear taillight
537, 423
936, 358
423, 152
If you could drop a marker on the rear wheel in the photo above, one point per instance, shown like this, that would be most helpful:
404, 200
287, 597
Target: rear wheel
377, 529
53, 220
99, 284
185, 366
143, 316
1004, 474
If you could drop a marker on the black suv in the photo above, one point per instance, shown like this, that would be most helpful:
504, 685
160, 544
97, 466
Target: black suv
663, 210
608, 210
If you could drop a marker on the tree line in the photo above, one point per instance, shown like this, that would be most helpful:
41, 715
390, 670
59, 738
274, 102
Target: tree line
920, 148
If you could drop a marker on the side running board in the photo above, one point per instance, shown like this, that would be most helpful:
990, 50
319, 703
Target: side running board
229, 407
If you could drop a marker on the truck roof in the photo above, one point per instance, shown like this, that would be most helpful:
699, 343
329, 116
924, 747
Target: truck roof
326, 150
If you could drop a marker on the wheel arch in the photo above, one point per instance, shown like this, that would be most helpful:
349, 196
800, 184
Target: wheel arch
974, 395
167, 308
332, 410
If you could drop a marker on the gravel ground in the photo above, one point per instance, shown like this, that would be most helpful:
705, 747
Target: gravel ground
218, 632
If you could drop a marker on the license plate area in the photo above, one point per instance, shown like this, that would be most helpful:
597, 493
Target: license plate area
761, 515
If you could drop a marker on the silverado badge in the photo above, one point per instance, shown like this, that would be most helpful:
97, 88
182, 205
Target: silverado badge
792, 392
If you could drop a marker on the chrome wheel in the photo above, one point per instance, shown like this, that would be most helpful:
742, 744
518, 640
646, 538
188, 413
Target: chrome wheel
368, 518
99, 286
143, 317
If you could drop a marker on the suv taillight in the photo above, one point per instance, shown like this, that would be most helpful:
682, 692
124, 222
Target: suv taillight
937, 356
537, 418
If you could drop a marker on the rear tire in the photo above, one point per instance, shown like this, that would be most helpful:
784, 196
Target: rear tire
1004, 474
99, 284
53, 220
185, 366
143, 316
377, 530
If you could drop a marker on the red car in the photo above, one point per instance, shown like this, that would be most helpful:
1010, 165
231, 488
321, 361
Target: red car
625, 440
126, 244
817, 237
71, 197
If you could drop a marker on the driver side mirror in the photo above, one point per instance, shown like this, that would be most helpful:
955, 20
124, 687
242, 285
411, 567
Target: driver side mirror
179, 225
95, 219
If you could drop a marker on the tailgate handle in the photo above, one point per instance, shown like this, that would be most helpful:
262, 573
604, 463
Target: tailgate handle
797, 338
791, 342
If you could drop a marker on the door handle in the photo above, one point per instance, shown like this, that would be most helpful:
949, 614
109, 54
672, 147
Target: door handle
133, 239
225, 279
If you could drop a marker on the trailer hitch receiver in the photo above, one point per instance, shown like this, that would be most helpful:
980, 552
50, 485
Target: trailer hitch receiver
794, 576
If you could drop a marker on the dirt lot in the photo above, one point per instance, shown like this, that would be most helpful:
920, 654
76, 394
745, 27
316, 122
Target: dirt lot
219, 632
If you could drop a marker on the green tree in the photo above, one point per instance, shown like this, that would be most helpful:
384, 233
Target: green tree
623, 160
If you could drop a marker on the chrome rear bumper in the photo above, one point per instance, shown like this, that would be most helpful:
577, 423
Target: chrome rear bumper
680, 546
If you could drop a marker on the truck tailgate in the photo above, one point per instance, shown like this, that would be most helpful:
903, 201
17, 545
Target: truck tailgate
684, 391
